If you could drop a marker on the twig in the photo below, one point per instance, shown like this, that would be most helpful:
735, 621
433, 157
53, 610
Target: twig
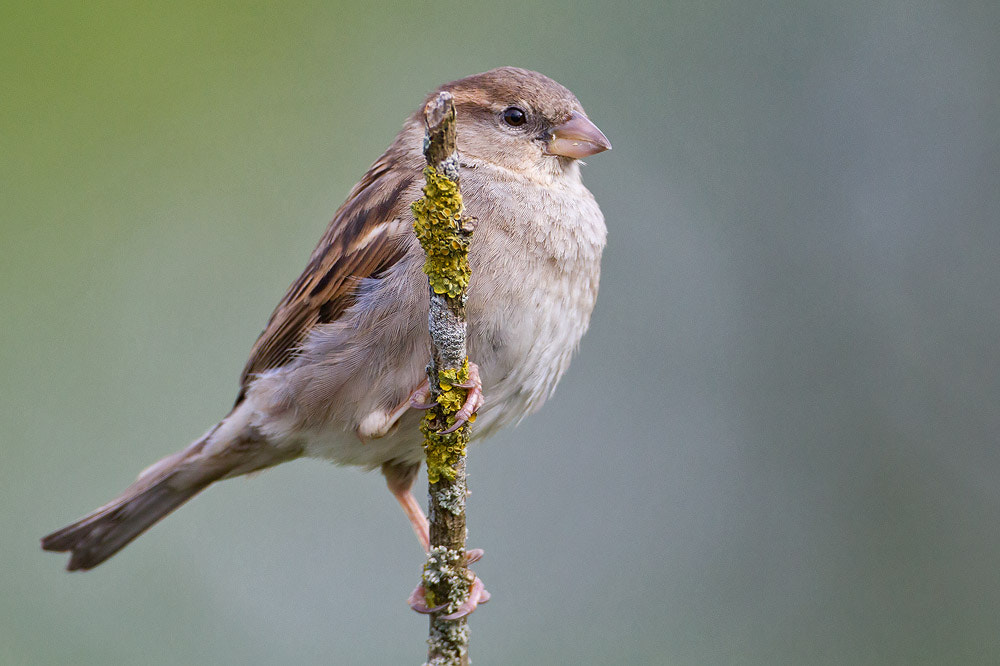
444, 233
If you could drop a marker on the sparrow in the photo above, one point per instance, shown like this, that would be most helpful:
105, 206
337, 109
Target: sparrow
339, 372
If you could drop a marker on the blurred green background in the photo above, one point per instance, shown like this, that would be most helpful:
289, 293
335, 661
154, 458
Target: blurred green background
778, 444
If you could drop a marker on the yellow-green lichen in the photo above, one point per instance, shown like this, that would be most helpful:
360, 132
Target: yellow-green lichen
437, 220
452, 396
444, 450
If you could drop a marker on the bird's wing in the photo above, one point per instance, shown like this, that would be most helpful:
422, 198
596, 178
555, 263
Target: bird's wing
364, 239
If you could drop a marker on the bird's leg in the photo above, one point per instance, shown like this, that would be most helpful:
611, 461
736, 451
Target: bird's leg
399, 479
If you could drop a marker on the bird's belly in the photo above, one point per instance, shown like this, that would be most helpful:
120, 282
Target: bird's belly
525, 347
402, 445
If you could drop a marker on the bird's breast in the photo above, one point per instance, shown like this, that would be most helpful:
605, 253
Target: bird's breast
535, 262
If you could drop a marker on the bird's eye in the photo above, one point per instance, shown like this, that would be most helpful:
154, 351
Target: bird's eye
514, 116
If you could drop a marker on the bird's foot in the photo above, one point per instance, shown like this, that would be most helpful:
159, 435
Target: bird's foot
421, 398
473, 400
477, 594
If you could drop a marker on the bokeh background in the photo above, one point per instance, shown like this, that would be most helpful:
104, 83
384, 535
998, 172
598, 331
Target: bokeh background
778, 444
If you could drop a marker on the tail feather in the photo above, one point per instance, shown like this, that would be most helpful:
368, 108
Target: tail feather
160, 488
104, 532
231, 448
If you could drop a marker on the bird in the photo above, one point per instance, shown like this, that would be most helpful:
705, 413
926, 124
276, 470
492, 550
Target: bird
339, 371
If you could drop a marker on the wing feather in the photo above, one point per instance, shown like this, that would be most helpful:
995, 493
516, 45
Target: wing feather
364, 239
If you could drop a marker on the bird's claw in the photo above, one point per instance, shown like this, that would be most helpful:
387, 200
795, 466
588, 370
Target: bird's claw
421, 398
418, 601
473, 400
477, 594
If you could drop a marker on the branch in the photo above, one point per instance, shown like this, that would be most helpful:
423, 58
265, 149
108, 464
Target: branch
444, 233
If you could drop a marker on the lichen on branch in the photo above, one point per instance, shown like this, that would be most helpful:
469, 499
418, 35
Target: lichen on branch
441, 230
444, 233
445, 569
443, 450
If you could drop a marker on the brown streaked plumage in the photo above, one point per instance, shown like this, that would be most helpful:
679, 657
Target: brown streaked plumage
332, 374
326, 287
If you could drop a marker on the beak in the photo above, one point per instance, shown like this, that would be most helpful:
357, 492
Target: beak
576, 138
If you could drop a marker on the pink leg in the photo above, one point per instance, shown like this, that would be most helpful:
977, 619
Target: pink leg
400, 479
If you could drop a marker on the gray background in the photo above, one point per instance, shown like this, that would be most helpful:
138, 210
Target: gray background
778, 444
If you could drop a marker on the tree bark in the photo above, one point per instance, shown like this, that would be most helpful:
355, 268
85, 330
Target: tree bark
445, 232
